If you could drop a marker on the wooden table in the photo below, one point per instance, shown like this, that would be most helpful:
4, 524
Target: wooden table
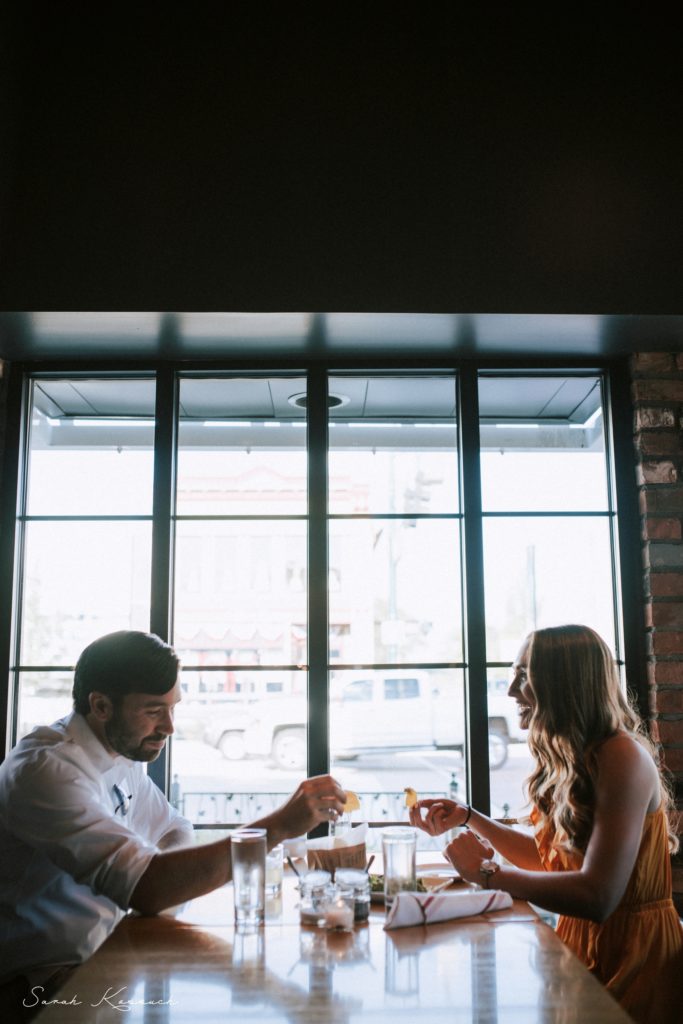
501, 968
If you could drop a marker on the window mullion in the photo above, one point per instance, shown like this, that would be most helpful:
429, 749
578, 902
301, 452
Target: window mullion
318, 684
162, 529
13, 490
476, 719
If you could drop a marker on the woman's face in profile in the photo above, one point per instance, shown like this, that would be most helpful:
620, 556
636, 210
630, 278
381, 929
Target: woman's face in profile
519, 688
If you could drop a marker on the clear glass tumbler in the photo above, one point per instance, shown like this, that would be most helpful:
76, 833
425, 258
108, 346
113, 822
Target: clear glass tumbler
274, 867
248, 851
398, 850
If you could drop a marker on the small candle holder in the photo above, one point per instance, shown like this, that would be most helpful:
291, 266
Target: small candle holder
315, 888
353, 886
338, 914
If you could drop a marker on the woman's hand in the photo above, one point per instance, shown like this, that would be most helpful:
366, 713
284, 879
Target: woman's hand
466, 853
440, 815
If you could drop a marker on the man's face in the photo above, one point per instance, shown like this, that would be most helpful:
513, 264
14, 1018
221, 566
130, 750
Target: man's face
140, 725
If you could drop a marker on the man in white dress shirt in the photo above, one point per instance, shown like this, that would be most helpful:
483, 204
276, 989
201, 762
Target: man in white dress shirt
85, 835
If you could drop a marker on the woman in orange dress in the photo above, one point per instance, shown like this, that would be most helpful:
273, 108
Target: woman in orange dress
600, 853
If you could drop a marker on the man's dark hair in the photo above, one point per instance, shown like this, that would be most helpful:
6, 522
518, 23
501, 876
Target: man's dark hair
124, 662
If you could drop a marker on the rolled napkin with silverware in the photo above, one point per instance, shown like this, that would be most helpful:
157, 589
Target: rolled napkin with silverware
411, 908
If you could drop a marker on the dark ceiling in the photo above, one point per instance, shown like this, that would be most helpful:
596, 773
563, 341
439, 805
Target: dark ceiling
524, 185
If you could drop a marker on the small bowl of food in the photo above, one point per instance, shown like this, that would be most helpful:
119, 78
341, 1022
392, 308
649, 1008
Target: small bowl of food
377, 888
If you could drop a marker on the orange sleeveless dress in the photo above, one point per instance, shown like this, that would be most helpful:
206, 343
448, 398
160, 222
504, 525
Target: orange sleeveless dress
637, 953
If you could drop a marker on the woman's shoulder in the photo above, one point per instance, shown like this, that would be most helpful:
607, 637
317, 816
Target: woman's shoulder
622, 747
621, 756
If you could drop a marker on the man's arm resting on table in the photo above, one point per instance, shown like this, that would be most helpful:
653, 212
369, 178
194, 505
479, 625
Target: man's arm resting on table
175, 876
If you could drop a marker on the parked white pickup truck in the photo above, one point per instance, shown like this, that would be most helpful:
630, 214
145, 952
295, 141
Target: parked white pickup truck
379, 712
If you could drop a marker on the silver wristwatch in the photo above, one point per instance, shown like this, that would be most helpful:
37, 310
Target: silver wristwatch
487, 869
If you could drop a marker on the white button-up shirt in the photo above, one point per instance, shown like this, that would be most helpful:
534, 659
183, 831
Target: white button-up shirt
78, 827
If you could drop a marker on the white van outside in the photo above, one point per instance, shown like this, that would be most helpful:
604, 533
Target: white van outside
377, 711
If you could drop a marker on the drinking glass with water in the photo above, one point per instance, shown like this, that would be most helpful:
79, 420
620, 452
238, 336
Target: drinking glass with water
248, 851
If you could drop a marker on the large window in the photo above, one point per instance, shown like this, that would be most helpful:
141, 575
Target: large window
341, 548
396, 651
240, 595
548, 530
85, 529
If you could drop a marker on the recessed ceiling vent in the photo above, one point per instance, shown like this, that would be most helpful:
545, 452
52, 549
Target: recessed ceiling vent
333, 401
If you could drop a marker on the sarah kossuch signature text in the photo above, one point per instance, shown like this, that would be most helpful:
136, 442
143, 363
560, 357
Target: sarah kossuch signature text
112, 997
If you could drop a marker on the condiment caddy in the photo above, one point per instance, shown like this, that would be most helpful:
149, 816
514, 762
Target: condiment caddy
341, 903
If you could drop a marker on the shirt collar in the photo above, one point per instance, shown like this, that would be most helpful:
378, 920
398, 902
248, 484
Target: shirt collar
79, 731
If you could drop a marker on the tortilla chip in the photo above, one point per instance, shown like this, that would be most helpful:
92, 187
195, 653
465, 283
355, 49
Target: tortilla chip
411, 796
352, 802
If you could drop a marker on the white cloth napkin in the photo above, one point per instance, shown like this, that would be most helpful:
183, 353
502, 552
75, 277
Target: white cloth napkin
350, 837
411, 908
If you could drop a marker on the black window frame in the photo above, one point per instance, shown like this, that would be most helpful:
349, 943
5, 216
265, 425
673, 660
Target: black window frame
625, 523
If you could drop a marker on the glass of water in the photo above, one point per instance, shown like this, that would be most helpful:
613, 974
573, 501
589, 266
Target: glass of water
248, 851
340, 825
399, 846
274, 865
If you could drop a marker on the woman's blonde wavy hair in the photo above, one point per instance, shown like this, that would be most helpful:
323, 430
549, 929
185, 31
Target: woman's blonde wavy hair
579, 703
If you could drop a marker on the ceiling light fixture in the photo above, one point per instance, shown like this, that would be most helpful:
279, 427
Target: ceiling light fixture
300, 400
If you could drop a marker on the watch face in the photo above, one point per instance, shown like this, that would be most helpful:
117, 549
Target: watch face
488, 867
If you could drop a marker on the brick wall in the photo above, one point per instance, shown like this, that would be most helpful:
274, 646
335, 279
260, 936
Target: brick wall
657, 382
